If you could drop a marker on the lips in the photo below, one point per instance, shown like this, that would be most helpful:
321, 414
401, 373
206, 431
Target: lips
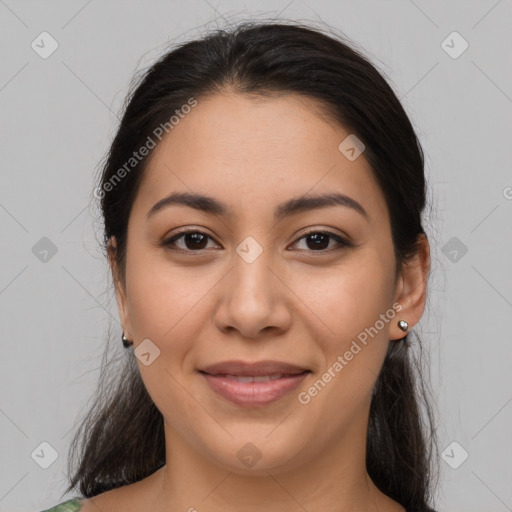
256, 369
253, 384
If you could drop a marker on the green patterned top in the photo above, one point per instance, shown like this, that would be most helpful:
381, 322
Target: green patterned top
67, 506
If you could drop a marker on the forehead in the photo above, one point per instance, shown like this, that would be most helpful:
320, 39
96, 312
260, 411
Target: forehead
251, 152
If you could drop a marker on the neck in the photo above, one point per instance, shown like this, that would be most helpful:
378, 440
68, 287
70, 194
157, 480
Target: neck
336, 480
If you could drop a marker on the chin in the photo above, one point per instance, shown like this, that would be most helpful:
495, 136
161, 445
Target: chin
256, 455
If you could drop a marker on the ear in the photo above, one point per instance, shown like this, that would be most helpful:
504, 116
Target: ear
119, 289
411, 288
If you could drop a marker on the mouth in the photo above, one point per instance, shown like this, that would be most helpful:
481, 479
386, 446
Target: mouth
266, 367
253, 384
251, 378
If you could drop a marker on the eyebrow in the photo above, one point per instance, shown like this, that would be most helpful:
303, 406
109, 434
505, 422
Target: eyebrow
292, 206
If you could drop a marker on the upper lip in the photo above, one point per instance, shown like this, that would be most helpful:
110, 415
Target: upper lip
255, 369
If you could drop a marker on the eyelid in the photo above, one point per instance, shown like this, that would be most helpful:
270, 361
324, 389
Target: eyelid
168, 242
342, 239
342, 242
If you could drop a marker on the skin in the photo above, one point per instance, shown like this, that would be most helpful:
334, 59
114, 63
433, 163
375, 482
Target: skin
292, 305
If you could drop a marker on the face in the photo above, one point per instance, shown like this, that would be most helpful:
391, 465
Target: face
313, 287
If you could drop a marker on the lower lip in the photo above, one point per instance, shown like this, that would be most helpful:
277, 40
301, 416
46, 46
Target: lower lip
253, 394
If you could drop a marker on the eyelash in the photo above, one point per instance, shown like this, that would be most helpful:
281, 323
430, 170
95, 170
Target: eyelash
342, 243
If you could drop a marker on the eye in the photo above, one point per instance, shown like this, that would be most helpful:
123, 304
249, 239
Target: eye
193, 238
316, 241
319, 241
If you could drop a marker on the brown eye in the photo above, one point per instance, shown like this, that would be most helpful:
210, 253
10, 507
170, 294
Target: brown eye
193, 241
318, 241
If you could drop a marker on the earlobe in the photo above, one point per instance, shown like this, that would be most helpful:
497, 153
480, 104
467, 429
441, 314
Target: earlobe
412, 288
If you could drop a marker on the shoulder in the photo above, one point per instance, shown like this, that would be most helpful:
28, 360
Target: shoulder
140, 495
128, 498
71, 505
111, 500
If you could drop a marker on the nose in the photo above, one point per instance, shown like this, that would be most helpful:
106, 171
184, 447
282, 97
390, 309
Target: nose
253, 299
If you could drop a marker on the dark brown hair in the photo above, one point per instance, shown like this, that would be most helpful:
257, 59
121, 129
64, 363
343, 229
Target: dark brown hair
121, 440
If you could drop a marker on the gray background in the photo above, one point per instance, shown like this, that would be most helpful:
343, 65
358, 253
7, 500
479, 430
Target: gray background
58, 117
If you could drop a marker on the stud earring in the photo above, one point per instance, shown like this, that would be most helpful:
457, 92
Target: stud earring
126, 341
403, 325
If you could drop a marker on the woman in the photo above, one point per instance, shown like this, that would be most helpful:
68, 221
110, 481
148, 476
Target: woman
262, 202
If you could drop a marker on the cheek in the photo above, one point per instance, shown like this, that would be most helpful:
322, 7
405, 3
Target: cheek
349, 303
168, 304
165, 310
347, 299
164, 314
152, 306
